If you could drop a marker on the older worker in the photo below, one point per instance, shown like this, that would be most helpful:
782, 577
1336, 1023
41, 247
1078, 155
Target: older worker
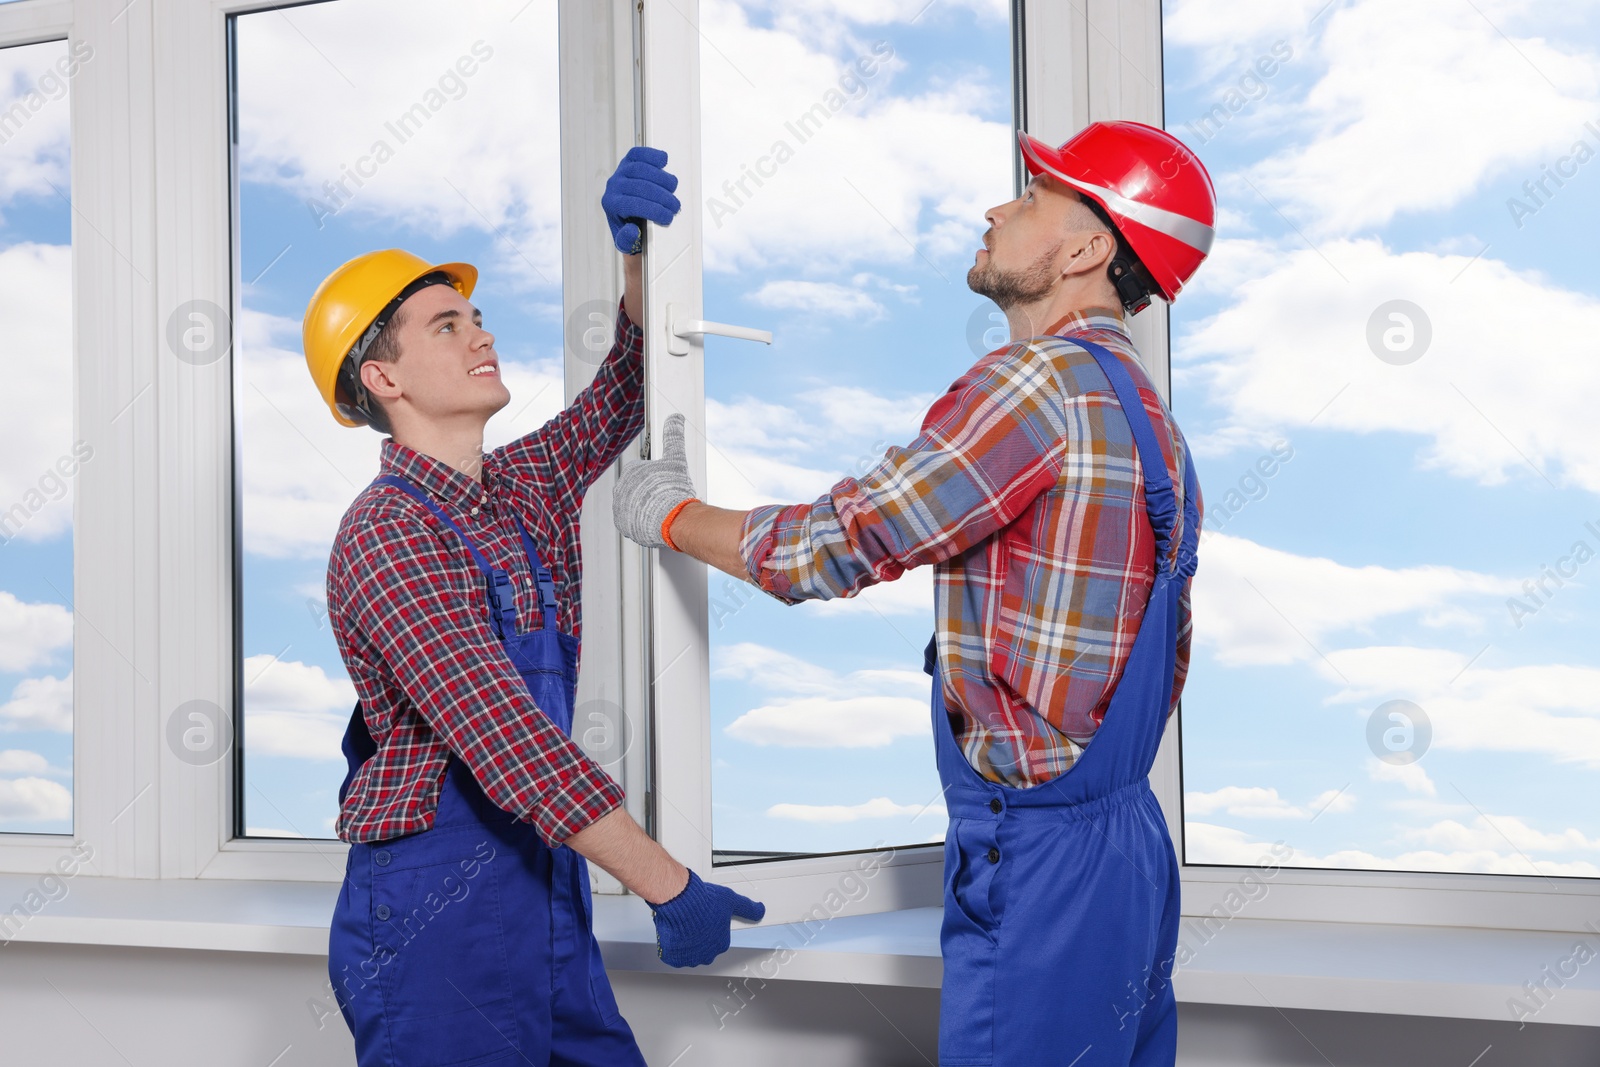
1056, 499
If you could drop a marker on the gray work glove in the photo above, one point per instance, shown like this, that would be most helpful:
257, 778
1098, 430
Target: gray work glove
648, 491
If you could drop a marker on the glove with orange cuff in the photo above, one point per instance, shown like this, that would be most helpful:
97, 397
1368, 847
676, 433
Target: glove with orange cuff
649, 494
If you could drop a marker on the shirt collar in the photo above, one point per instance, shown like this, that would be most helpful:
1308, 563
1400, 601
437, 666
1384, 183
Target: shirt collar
1090, 318
432, 475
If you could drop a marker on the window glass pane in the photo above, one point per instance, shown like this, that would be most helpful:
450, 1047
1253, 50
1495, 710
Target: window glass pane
39, 456
1387, 371
849, 152
363, 125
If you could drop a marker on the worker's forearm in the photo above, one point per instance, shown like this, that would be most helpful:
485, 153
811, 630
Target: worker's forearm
633, 287
711, 535
617, 844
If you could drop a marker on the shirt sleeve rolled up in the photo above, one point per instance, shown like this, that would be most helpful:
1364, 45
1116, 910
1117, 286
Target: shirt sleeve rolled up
985, 452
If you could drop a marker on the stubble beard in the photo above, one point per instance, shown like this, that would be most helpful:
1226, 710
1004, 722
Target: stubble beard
1011, 288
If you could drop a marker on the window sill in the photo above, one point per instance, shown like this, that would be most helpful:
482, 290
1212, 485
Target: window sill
1451, 972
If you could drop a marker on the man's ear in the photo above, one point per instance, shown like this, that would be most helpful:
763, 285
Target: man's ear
1097, 251
375, 378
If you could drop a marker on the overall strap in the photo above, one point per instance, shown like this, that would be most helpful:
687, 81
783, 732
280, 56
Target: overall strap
541, 575
1188, 550
1160, 500
502, 602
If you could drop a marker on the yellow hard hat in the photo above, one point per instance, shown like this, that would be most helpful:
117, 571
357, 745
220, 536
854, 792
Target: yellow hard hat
349, 300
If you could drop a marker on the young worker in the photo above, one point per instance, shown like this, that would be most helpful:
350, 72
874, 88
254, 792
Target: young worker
462, 933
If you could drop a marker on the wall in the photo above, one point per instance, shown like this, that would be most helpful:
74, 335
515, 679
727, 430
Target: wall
88, 1006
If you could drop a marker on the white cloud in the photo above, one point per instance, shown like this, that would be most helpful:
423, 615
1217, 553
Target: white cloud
800, 15
1267, 606
31, 634
876, 808
295, 709
1256, 802
1332, 802
36, 147
321, 85
38, 466
1429, 101
1231, 28
1205, 842
833, 722
874, 181
768, 453
1499, 833
23, 761
39, 704
772, 669
1471, 418
1423, 84
1297, 602
821, 298
34, 800
854, 413
301, 469
1412, 776
1552, 709
1470, 851
862, 709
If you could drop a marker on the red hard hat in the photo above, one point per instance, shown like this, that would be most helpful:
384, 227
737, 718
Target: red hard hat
1155, 190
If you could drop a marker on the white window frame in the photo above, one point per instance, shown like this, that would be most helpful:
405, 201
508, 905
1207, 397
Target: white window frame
153, 515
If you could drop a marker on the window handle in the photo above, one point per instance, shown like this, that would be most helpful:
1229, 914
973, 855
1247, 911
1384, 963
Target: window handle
679, 331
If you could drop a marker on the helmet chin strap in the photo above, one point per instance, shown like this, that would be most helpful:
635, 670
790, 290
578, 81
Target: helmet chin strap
1131, 290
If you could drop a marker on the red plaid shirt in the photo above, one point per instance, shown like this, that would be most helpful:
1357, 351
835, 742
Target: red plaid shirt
1024, 491
411, 617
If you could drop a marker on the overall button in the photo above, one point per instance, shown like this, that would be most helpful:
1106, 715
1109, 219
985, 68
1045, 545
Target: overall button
995, 805
994, 855
383, 911
381, 857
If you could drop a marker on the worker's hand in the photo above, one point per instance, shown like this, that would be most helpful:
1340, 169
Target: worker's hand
693, 927
638, 190
649, 491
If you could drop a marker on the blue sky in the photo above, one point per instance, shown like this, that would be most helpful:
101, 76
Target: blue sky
1383, 553
36, 546
1374, 564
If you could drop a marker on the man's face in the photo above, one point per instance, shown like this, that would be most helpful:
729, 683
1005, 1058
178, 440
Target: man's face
1025, 248
448, 367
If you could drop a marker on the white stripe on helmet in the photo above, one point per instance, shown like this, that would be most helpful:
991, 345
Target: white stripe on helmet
1197, 235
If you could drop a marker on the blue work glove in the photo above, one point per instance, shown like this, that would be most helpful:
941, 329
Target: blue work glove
692, 927
638, 190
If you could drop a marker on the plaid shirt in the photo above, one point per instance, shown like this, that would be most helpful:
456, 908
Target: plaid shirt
1024, 491
411, 617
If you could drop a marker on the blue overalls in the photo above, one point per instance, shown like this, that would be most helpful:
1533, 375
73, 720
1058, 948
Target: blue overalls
1061, 900
470, 942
